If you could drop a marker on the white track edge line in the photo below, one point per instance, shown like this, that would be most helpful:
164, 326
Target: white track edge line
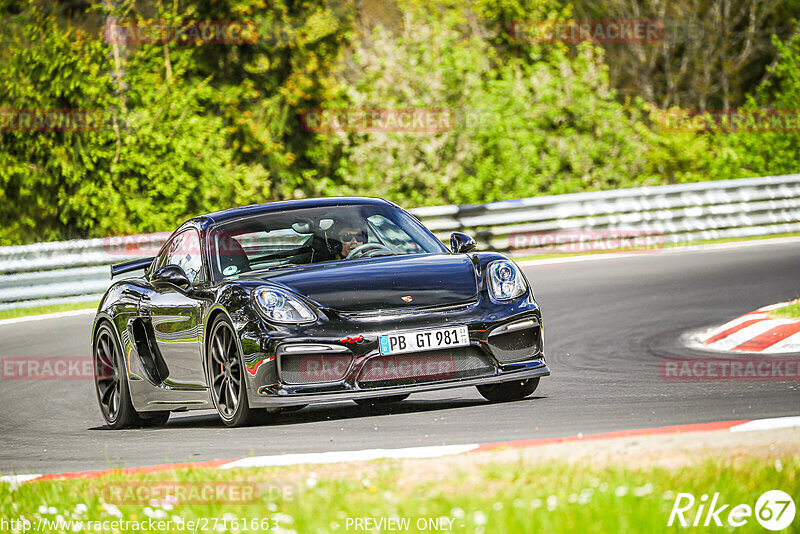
408, 452
767, 424
56, 315
349, 456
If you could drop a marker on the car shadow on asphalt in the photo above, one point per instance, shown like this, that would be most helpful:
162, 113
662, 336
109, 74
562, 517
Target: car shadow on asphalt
339, 411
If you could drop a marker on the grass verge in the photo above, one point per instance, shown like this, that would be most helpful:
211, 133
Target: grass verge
39, 310
496, 497
791, 311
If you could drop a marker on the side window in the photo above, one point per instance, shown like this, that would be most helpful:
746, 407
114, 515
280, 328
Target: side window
184, 251
394, 236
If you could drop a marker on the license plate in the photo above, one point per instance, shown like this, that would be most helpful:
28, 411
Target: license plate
418, 340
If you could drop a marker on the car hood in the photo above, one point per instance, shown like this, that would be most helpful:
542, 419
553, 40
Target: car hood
381, 283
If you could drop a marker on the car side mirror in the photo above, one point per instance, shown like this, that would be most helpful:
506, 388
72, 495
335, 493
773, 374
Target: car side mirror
462, 243
170, 275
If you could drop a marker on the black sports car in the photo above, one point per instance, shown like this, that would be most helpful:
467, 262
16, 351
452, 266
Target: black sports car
272, 307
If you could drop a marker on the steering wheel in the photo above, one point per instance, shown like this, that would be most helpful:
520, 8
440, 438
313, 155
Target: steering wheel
364, 250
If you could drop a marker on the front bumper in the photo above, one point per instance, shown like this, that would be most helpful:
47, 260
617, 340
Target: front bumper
280, 397
503, 347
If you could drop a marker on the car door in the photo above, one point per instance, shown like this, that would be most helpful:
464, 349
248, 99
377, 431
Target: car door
175, 314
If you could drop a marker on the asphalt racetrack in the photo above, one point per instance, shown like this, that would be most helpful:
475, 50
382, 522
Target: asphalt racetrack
608, 324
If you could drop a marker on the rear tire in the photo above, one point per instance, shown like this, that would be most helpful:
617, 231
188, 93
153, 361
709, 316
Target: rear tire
111, 381
226, 377
508, 391
381, 400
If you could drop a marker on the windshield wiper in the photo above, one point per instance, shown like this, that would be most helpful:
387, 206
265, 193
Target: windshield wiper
275, 267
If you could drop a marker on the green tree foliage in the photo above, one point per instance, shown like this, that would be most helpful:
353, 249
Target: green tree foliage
161, 160
763, 153
190, 128
543, 122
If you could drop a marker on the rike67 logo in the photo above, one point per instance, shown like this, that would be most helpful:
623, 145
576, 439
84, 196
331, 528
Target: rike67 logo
774, 510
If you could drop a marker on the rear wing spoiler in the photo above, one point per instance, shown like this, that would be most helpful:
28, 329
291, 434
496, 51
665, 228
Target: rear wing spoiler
130, 266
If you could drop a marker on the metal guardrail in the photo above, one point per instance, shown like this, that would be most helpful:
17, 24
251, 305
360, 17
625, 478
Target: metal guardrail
649, 217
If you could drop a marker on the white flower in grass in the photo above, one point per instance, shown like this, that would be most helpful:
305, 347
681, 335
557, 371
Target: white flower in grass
110, 509
227, 516
668, 495
178, 520
220, 527
77, 526
778, 466
583, 498
81, 508
572, 498
334, 525
497, 506
621, 491
479, 518
552, 502
458, 513
311, 482
283, 518
42, 509
168, 506
148, 511
603, 486
594, 482
536, 503
159, 514
272, 507
52, 510
60, 519
518, 503
641, 491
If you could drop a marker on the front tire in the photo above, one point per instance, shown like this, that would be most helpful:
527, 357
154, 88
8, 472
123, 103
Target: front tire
508, 391
226, 376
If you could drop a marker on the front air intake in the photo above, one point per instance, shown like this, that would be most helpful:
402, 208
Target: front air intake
516, 341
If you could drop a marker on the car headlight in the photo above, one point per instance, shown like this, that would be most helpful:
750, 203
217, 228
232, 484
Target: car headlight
505, 280
281, 307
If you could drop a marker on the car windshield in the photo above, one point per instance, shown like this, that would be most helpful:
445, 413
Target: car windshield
315, 235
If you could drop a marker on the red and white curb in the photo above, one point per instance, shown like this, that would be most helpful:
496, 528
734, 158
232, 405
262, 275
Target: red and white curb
412, 452
755, 332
